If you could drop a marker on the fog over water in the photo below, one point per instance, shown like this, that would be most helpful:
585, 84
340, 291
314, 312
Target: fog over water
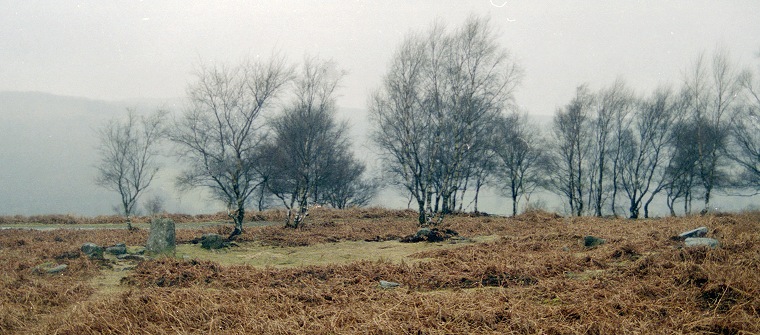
68, 66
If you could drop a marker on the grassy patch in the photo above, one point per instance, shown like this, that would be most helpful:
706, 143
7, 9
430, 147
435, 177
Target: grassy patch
258, 255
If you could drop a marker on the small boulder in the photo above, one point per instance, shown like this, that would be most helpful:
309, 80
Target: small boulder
118, 249
701, 241
592, 241
213, 241
92, 250
388, 284
699, 232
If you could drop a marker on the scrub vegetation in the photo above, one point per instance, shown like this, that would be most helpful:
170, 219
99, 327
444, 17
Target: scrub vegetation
528, 274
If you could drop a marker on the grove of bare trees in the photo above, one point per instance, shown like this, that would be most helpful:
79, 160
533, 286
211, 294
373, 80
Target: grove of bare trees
433, 116
446, 125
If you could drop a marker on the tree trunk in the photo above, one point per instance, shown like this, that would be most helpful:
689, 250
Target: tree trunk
514, 204
422, 217
238, 217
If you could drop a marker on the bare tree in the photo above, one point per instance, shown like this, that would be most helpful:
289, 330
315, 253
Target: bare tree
344, 184
611, 106
745, 131
154, 205
681, 171
219, 132
711, 90
128, 152
428, 117
520, 157
308, 142
645, 143
571, 150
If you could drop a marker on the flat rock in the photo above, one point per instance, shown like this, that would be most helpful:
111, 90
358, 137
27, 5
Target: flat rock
388, 284
699, 232
57, 269
50, 268
701, 241
118, 249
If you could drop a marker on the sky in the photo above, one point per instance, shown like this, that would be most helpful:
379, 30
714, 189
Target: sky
117, 51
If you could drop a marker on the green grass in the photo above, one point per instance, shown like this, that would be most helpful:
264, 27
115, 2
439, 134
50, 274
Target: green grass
255, 254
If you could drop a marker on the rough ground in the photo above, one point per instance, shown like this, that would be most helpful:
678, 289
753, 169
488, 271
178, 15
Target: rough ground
524, 275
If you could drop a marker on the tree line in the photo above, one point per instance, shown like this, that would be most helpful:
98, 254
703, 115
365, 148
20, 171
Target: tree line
259, 132
445, 123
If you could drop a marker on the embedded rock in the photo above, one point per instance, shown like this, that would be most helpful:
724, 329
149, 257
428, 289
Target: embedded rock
591, 241
92, 250
388, 284
118, 249
701, 241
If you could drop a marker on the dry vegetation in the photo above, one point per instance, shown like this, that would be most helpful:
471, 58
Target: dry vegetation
536, 277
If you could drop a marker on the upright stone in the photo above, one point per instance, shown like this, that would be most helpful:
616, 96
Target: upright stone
161, 239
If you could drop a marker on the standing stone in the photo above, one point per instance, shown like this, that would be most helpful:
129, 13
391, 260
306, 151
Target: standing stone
162, 237
92, 250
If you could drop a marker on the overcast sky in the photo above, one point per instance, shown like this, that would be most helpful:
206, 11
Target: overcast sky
116, 50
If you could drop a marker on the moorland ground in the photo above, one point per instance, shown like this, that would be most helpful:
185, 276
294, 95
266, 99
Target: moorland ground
525, 275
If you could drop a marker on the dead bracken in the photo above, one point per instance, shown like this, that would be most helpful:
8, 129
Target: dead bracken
529, 276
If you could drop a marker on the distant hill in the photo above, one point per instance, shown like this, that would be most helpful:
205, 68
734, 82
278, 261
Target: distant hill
47, 153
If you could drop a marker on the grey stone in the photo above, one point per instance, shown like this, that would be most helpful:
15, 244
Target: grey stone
92, 250
118, 249
388, 284
50, 268
701, 241
162, 237
212, 241
57, 269
699, 232
591, 241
